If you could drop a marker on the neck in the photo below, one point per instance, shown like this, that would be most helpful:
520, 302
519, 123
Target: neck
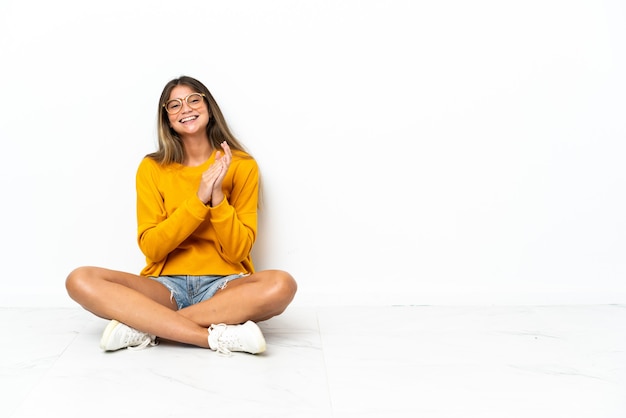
197, 150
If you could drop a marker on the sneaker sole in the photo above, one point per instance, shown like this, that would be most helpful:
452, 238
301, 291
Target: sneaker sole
107, 334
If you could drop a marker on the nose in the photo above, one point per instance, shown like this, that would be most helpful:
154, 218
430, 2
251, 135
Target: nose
185, 106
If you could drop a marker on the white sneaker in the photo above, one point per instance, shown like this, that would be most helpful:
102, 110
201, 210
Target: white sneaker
226, 338
117, 335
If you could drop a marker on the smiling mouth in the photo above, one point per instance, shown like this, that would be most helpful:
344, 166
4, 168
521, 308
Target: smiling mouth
187, 119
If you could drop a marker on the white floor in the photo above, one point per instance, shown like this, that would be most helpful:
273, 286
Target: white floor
418, 361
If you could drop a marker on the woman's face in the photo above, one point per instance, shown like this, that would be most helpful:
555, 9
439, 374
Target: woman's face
190, 115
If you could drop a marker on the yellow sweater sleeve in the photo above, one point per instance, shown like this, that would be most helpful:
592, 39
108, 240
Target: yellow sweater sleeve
179, 235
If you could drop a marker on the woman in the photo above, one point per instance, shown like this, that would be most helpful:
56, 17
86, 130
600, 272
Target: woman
197, 200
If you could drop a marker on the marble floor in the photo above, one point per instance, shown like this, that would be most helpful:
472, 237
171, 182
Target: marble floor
404, 361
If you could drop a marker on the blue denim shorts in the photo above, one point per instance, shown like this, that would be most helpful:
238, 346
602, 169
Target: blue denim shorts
189, 290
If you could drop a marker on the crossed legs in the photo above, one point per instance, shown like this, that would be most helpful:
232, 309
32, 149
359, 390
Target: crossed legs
146, 305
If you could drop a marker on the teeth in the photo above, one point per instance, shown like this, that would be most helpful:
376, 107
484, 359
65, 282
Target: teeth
187, 119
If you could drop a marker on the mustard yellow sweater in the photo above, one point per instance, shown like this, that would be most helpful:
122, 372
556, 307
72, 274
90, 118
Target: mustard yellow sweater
179, 235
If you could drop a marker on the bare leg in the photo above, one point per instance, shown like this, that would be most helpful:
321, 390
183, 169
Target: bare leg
257, 297
146, 305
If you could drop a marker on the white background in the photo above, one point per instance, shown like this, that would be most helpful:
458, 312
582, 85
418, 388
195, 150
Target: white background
413, 152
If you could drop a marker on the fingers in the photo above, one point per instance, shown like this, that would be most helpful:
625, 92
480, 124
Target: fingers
218, 169
209, 177
224, 158
227, 152
212, 173
211, 182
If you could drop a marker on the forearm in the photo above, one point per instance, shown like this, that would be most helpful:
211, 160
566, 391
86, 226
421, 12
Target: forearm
157, 239
235, 233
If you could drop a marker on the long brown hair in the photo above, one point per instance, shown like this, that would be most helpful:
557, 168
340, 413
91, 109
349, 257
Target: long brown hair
171, 148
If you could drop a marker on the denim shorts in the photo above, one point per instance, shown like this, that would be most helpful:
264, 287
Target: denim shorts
189, 290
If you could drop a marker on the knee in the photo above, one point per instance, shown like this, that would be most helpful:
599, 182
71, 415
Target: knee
284, 286
78, 281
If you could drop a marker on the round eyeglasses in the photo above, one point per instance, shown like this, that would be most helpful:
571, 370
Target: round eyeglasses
174, 106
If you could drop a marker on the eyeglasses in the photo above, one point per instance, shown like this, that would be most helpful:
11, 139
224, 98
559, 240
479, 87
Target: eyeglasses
174, 106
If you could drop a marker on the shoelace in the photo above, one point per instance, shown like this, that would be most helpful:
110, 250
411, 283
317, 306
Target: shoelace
224, 341
142, 338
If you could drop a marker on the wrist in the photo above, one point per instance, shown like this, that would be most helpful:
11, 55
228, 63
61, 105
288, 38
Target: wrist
216, 198
205, 202
216, 201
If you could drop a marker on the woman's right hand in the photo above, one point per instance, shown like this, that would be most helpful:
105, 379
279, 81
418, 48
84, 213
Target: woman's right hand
207, 182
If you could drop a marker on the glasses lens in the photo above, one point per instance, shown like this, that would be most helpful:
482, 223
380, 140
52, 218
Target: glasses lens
173, 106
194, 100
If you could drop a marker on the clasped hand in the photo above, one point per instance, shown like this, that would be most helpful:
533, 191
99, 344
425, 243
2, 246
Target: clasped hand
210, 190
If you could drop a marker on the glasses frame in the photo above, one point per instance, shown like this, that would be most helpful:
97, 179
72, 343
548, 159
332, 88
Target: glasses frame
180, 101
